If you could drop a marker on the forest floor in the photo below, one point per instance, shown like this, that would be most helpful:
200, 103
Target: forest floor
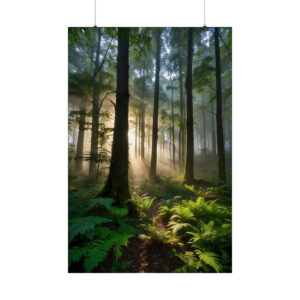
151, 248
154, 256
151, 256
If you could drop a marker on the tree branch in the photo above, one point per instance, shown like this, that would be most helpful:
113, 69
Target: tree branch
103, 60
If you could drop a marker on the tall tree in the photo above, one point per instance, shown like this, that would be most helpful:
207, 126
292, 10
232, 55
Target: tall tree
189, 162
155, 108
143, 117
95, 112
136, 134
213, 134
173, 121
117, 186
80, 141
204, 128
220, 134
182, 132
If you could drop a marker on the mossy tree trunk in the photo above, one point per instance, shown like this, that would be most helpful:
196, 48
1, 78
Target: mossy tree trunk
117, 186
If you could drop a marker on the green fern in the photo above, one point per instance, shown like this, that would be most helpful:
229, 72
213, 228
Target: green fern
210, 259
119, 211
176, 227
192, 264
76, 254
83, 225
104, 202
97, 254
164, 211
119, 241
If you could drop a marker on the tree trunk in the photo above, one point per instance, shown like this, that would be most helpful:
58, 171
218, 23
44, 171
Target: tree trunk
182, 115
213, 135
163, 142
95, 112
173, 126
179, 148
139, 134
220, 136
155, 109
189, 163
117, 186
143, 132
204, 133
80, 141
149, 142
135, 140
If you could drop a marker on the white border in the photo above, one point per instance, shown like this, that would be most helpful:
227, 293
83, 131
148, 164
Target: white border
33, 66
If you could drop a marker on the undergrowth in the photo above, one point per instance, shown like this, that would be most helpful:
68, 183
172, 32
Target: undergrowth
96, 228
204, 226
195, 222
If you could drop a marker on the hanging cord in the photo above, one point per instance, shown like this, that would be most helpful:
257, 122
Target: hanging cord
95, 25
204, 15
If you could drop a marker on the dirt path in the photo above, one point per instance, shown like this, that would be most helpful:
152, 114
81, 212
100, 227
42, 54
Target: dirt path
150, 256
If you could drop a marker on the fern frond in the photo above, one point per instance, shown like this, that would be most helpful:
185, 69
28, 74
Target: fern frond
97, 255
119, 241
210, 258
83, 225
76, 254
175, 226
119, 211
164, 210
104, 202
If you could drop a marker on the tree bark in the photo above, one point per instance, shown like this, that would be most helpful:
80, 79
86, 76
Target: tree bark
135, 140
220, 133
182, 115
173, 126
95, 112
117, 186
80, 141
189, 163
213, 135
155, 109
139, 134
204, 132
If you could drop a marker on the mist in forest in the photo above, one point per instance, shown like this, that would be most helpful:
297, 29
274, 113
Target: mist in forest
172, 101
149, 141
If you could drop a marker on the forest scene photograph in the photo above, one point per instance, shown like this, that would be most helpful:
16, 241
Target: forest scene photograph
149, 150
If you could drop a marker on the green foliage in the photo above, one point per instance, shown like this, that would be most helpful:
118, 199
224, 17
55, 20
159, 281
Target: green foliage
158, 236
165, 188
191, 263
198, 260
83, 225
210, 259
119, 211
91, 237
206, 227
96, 251
103, 202
120, 266
142, 202
96, 254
